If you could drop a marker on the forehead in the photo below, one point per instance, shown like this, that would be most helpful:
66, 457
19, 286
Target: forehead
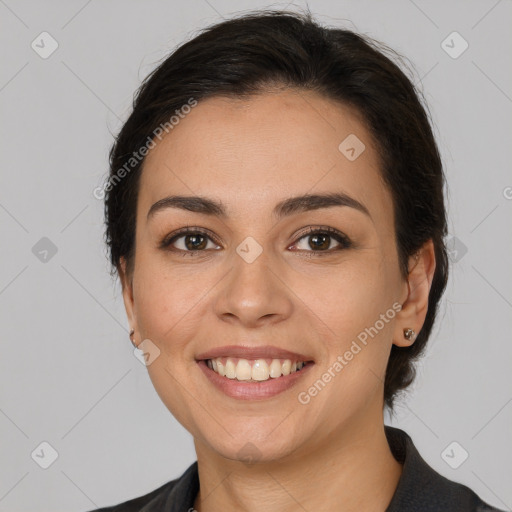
252, 153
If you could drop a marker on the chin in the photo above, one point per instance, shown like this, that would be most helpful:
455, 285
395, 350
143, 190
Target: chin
250, 448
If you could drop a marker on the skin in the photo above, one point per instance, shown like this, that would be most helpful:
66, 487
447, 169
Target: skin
251, 154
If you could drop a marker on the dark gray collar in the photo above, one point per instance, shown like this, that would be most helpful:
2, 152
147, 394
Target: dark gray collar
420, 489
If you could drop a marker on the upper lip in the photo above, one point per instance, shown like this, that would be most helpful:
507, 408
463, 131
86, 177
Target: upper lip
244, 352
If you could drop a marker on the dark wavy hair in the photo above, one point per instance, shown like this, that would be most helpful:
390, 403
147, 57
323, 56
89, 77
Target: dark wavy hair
256, 52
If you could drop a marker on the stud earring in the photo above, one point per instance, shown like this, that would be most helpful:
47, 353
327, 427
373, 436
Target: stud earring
409, 334
132, 331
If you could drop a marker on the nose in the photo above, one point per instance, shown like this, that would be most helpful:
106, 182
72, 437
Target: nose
254, 293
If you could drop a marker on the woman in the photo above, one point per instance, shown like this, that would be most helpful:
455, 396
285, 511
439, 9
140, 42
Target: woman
275, 213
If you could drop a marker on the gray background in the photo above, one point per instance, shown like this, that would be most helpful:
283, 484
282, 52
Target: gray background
68, 373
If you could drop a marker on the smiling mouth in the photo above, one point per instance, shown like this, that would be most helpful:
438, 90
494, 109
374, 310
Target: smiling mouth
254, 370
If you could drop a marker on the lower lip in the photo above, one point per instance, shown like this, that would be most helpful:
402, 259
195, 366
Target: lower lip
253, 390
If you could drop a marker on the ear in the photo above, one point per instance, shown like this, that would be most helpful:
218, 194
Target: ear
415, 294
127, 285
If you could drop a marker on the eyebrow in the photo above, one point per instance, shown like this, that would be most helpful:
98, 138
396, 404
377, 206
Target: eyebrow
283, 209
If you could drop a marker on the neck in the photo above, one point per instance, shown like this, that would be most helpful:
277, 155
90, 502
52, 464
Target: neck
354, 469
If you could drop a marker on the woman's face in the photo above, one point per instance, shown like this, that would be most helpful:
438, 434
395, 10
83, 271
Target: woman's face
254, 277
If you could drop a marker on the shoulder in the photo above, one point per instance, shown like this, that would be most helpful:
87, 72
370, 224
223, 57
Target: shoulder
176, 494
422, 489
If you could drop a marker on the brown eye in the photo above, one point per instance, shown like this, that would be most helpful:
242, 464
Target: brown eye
320, 240
194, 242
189, 240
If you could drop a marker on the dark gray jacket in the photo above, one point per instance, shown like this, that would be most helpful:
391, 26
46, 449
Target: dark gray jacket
420, 489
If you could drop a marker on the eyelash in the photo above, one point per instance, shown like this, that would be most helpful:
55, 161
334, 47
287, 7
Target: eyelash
189, 230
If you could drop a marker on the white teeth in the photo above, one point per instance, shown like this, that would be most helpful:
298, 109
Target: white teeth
260, 370
230, 369
275, 368
243, 370
255, 370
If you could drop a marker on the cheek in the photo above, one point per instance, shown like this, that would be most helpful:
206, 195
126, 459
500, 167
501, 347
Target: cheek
165, 301
349, 299
353, 310
165, 307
